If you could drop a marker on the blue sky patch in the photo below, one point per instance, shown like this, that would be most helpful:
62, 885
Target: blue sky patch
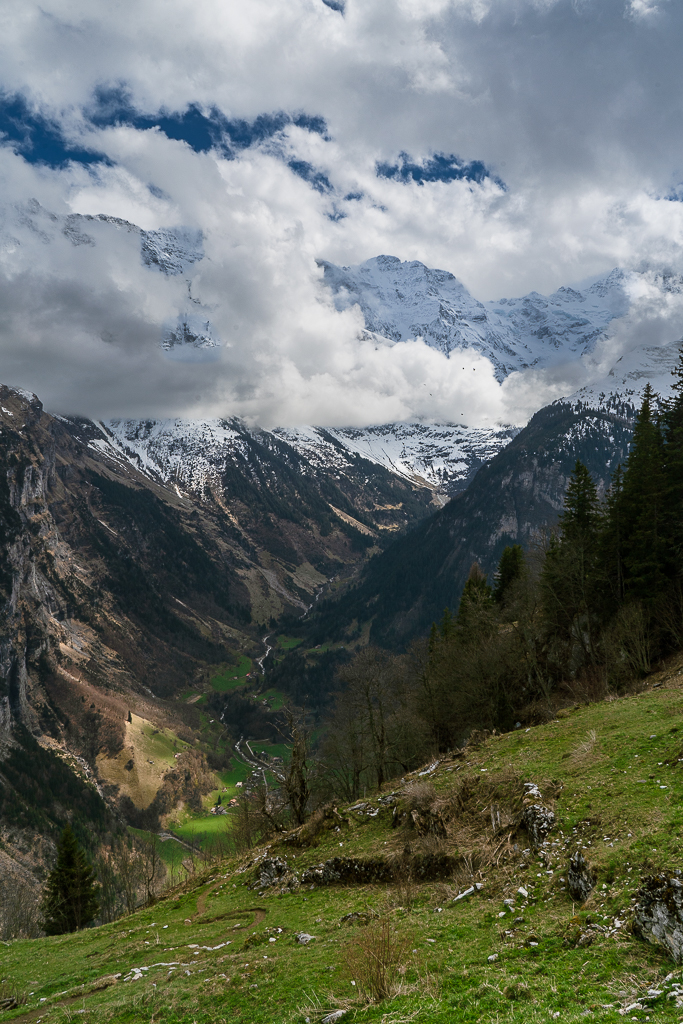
202, 131
38, 139
439, 167
316, 179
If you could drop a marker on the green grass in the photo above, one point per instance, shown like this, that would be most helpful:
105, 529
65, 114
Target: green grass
162, 744
586, 758
274, 697
288, 643
203, 829
232, 676
272, 749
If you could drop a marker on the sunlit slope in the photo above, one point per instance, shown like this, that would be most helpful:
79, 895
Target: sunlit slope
611, 773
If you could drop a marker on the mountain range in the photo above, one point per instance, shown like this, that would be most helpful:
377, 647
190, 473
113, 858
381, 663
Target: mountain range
137, 557
407, 300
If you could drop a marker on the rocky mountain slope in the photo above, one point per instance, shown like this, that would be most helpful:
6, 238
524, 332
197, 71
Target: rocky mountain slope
191, 454
136, 575
513, 497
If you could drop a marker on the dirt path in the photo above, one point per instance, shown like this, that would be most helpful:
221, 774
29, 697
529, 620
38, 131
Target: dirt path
201, 901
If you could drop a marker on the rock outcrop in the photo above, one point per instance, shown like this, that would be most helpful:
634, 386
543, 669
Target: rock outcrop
536, 817
580, 878
658, 916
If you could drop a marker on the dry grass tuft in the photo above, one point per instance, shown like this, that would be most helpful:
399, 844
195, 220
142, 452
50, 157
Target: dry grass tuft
374, 958
585, 750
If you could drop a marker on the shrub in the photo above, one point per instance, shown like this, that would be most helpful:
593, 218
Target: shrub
373, 959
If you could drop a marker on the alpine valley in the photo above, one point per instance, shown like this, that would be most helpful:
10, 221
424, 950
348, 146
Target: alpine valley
143, 561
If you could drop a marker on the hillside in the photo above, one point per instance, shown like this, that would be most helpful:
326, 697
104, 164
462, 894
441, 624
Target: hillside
513, 497
124, 592
496, 934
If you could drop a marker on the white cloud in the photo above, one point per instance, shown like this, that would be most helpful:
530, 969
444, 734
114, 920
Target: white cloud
574, 105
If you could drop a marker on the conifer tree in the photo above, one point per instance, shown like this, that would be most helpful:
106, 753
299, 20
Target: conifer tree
475, 601
71, 898
645, 558
611, 547
581, 517
568, 578
510, 568
673, 464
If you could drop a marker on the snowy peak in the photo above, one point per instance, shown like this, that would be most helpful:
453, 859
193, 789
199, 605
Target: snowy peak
443, 456
171, 250
401, 301
194, 453
620, 390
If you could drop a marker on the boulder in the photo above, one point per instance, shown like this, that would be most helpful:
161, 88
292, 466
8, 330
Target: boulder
270, 871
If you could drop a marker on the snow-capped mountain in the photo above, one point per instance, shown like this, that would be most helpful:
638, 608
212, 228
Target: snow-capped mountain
194, 453
400, 301
625, 382
445, 456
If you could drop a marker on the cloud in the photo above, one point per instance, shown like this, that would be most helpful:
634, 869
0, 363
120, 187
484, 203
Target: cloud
262, 127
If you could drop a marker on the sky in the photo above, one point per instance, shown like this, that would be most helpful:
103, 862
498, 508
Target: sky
520, 144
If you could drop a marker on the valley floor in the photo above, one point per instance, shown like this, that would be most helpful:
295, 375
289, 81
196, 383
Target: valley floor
223, 946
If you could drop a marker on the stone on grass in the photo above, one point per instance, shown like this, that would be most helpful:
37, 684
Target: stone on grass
303, 938
271, 870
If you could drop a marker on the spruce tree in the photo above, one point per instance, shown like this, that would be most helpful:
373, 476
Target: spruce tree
611, 548
510, 568
568, 577
476, 603
673, 465
71, 898
646, 559
581, 517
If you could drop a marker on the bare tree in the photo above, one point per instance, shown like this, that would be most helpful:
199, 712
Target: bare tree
152, 869
296, 780
380, 735
19, 909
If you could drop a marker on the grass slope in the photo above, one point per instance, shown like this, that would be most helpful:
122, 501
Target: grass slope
204, 953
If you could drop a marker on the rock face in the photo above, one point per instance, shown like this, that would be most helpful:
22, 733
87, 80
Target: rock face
580, 878
400, 301
536, 818
658, 917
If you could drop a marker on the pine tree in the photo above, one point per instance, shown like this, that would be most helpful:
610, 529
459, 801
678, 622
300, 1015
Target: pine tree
510, 568
581, 517
673, 464
647, 562
569, 575
71, 898
476, 602
611, 547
